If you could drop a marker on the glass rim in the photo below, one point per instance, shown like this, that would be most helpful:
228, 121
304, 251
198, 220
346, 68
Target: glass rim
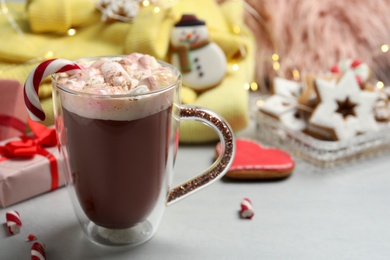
174, 84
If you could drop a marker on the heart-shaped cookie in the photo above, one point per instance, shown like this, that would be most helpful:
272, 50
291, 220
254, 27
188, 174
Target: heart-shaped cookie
253, 161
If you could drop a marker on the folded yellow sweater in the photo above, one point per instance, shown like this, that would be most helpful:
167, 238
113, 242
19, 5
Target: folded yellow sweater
38, 35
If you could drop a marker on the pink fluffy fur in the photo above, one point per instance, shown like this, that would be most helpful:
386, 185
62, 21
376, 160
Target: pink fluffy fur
313, 35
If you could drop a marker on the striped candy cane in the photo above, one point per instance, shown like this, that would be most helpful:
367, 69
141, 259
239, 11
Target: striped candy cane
14, 223
246, 209
38, 251
360, 69
35, 78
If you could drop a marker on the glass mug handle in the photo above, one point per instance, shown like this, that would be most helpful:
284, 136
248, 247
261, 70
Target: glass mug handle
221, 164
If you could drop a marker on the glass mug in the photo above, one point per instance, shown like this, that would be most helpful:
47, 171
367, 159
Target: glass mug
119, 169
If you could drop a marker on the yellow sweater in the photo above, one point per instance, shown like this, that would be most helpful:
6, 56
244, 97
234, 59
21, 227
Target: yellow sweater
29, 35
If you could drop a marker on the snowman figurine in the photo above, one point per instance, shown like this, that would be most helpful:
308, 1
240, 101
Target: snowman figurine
201, 62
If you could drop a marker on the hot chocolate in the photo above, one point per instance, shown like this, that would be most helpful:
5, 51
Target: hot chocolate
117, 166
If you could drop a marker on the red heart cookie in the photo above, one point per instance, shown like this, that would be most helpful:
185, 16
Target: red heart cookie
253, 161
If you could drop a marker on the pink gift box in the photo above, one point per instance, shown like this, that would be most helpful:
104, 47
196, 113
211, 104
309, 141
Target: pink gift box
24, 178
13, 114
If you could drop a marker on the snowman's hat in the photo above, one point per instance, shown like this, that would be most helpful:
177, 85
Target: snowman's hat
189, 20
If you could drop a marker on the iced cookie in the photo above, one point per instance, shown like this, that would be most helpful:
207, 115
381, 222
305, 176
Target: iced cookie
202, 62
255, 162
344, 109
285, 110
283, 104
286, 88
309, 98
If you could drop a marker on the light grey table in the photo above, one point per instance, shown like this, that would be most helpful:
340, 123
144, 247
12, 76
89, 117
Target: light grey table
341, 213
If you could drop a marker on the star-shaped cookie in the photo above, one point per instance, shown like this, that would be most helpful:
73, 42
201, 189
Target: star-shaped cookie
283, 104
344, 108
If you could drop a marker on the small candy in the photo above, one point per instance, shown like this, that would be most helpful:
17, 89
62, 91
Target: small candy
34, 79
360, 69
38, 251
14, 222
31, 237
246, 209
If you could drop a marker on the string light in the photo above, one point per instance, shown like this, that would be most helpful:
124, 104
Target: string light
156, 10
49, 55
380, 85
236, 29
259, 103
254, 86
146, 3
275, 59
296, 75
276, 65
72, 32
385, 48
235, 67
246, 86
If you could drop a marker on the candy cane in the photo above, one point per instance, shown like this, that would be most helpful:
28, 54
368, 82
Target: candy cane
38, 251
35, 78
14, 223
246, 209
360, 69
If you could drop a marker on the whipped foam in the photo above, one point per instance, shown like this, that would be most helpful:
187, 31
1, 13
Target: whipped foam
118, 88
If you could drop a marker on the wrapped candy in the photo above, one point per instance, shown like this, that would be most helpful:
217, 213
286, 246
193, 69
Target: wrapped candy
246, 209
38, 251
14, 223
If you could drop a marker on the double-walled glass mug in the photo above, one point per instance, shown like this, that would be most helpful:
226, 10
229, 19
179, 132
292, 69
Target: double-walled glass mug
119, 152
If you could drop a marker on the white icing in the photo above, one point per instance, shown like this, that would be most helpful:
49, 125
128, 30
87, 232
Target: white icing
287, 88
285, 110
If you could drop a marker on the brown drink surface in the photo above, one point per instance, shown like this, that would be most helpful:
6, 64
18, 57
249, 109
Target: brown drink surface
117, 167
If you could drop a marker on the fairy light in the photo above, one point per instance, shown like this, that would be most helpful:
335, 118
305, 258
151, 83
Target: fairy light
296, 75
276, 65
254, 86
72, 32
49, 55
259, 103
145, 3
247, 86
385, 48
275, 59
380, 85
156, 10
235, 67
236, 29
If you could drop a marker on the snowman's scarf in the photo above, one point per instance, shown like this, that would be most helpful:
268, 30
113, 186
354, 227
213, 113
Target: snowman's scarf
184, 50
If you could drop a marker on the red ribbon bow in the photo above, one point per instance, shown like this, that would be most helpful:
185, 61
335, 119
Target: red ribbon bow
28, 147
